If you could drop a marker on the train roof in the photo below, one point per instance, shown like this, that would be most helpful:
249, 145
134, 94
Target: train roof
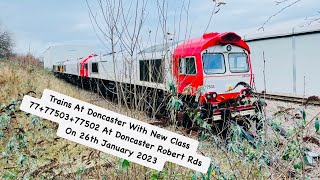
160, 47
196, 45
84, 60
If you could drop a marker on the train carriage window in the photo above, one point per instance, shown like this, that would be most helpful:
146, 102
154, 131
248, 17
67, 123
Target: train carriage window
238, 62
94, 67
213, 63
144, 70
156, 70
187, 66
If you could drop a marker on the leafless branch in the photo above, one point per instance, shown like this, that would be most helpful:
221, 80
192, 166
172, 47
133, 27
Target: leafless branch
280, 2
272, 16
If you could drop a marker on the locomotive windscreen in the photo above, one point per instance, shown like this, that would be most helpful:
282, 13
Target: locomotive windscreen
238, 62
213, 63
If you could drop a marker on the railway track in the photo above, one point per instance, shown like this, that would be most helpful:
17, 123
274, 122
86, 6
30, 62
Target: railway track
287, 98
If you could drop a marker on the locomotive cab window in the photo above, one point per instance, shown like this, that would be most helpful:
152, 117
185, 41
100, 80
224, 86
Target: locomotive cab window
213, 63
187, 66
86, 66
238, 62
94, 67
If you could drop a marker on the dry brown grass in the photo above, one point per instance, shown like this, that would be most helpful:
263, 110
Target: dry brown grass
26, 60
50, 152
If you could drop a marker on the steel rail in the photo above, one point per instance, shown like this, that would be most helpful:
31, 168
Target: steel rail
287, 98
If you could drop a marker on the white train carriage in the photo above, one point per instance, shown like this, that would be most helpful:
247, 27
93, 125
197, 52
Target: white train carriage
151, 68
71, 67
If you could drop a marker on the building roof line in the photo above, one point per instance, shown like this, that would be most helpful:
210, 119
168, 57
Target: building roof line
301, 33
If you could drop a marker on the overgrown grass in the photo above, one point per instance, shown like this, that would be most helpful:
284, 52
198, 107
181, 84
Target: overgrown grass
29, 145
30, 148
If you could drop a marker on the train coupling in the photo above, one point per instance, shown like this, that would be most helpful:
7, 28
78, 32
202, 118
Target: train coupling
214, 113
240, 111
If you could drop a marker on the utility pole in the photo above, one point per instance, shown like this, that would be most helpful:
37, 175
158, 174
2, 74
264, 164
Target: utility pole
294, 68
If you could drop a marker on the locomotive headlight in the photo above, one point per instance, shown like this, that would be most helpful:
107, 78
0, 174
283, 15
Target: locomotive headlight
214, 95
229, 47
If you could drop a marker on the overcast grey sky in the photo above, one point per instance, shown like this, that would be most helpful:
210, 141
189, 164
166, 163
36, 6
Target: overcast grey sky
37, 24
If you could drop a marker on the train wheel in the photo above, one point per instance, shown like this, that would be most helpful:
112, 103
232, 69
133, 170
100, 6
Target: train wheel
114, 99
102, 90
148, 108
244, 122
81, 83
222, 128
93, 85
258, 117
259, 124
225, 124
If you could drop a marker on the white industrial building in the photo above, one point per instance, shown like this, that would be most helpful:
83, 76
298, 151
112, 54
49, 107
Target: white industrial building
291, 58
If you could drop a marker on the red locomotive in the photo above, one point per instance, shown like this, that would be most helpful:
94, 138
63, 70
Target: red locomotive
213, 71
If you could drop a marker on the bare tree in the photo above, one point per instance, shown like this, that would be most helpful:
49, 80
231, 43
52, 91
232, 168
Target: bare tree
118, 25
6, 43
